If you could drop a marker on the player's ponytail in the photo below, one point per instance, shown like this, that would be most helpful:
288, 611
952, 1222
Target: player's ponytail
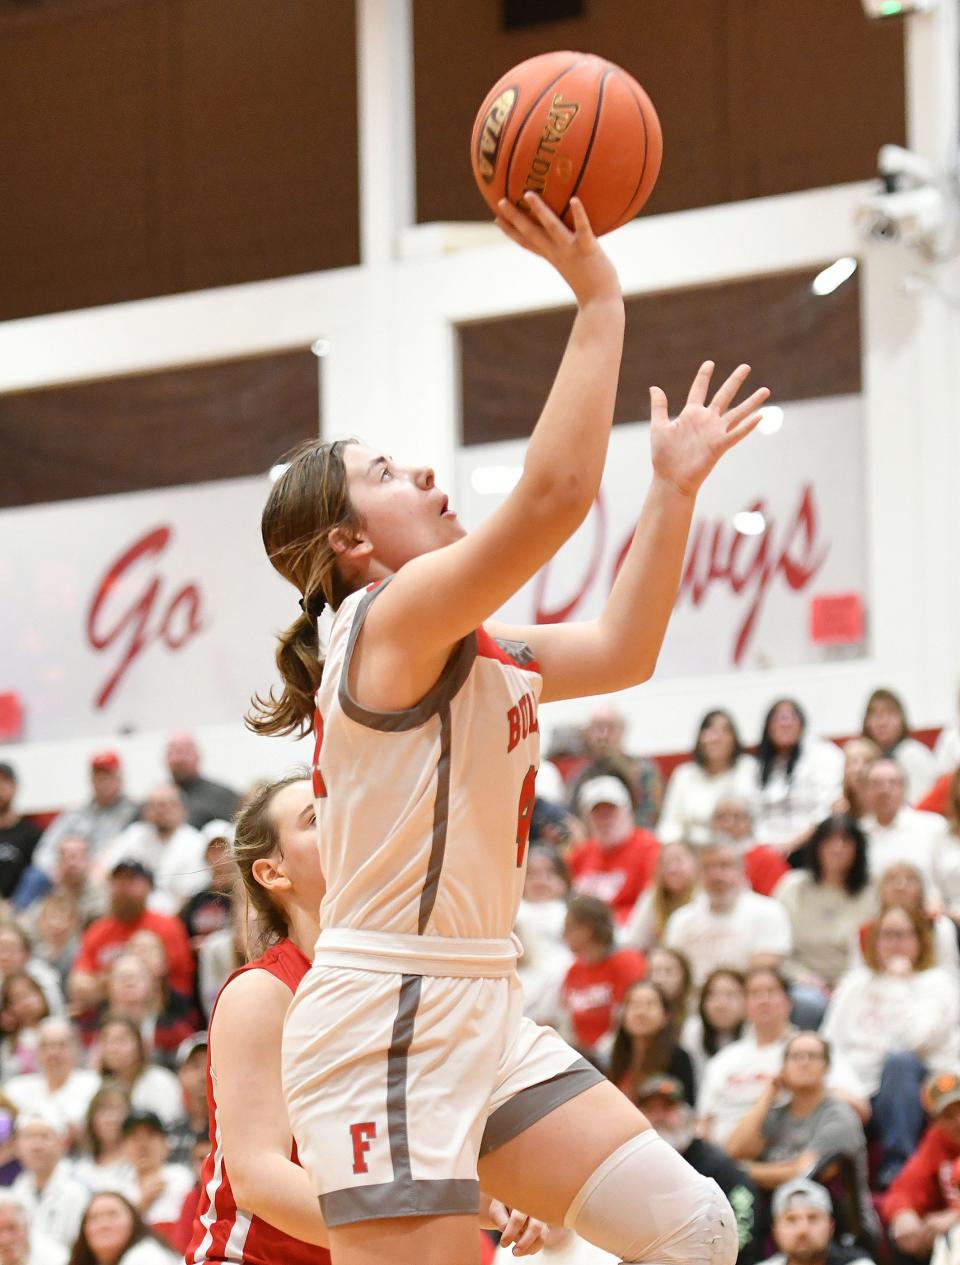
306, 503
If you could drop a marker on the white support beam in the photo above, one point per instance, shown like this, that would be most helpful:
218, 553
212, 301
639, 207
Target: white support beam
386, 134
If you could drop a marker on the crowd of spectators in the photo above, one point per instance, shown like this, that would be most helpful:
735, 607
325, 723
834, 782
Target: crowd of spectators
758, 946
766, 961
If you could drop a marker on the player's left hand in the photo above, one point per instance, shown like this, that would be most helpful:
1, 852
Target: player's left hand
686, 449
526, 1234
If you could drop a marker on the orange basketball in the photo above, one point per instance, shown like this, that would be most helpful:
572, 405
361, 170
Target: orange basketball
566, 124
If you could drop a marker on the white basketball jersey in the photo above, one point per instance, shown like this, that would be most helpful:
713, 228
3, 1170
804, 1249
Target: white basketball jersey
424, 814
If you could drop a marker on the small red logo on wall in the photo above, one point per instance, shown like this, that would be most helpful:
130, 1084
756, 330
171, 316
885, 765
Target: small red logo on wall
361, 1134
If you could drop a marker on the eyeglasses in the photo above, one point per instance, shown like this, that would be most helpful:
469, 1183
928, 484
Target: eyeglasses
806, 1056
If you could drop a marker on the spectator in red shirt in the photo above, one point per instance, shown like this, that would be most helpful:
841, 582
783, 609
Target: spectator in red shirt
618, 860
598, 979
917, 1205
105, 938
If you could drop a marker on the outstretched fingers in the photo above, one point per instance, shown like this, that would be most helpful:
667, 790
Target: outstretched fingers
748, 406
659, 408
701, 383
727, 393
745, 418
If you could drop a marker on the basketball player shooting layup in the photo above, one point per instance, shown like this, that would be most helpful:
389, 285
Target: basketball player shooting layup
408, 1066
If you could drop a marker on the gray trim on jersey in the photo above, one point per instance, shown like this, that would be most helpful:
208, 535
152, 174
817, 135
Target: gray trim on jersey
441, 817
451, 679
536, 1101
402, 1197
445, 1196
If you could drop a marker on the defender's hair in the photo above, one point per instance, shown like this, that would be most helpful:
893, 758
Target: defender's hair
256, 837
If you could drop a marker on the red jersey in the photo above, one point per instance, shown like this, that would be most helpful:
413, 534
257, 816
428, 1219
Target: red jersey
221, 1230
106, 937
617, 874
592, 991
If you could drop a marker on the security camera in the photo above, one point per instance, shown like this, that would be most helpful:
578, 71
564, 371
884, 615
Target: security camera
879, 9
914, 216
907, 204
901, 168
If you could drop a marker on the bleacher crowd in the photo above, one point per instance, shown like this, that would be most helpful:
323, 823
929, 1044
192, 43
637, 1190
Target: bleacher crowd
759, 947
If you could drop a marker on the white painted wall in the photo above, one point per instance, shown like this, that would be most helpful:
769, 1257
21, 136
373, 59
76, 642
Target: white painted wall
390, 375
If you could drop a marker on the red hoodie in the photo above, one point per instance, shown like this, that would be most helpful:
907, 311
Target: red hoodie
923, 1184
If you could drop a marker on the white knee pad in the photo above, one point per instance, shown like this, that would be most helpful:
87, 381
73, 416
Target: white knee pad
645, 1203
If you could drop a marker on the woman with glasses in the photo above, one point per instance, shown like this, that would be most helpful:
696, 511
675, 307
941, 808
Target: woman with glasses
895, 1018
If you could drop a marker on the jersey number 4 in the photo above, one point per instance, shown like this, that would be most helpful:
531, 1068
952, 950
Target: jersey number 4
528, 793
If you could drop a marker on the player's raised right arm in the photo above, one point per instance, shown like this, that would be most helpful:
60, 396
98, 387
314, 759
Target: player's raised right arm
439, 597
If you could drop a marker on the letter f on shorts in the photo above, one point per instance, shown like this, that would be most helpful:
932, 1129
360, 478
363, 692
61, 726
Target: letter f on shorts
361, 1134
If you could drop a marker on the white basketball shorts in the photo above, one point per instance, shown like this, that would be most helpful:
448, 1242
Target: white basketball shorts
398, 1079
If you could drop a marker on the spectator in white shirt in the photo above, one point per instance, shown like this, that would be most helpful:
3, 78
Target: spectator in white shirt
53, 1198
895, 1018
104, 1164
894, 831
20, 1244
719, 1020
859, 757
736, 1077
719, 768
59, 1085
885, 721
123, 1056
728, 924
539, 927
161, 1186
113, 1233
164, 842
798, 778
674, 885
902, 884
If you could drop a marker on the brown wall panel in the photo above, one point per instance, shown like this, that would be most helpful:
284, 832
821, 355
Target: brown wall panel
153, 146
221, 420
800, 344
755, 96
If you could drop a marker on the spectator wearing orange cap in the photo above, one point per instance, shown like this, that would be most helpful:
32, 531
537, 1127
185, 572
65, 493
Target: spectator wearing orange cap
916, 1207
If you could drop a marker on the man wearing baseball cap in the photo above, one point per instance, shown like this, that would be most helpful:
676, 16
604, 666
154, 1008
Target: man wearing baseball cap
803, 1228
661, 1100
98, 821
915, 1207
616, 863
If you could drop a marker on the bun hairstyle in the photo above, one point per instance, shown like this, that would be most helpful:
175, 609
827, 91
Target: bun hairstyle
307, 502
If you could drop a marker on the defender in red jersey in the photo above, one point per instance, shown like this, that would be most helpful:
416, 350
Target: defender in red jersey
257, 1206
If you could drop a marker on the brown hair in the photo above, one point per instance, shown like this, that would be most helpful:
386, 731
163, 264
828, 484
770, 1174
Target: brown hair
926, 958
887, 696
657, 1051
112, 1019
83, 1253
255, 837
307, 502
664, 902
109, 1088
594, 913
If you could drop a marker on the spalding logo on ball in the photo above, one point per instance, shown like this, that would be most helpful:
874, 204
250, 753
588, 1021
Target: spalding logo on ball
565, 124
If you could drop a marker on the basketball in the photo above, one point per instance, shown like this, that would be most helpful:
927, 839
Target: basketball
565, 124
